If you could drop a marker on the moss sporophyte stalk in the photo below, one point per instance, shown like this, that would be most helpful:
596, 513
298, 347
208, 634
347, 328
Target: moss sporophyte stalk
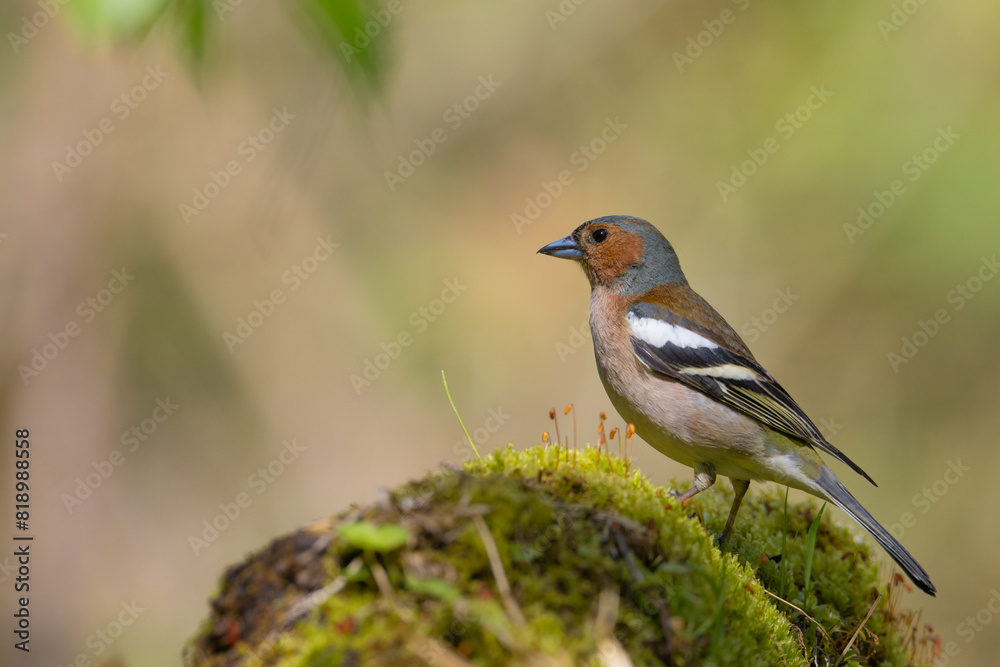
517, 559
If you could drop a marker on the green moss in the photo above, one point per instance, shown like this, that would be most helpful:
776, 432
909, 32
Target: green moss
567, 537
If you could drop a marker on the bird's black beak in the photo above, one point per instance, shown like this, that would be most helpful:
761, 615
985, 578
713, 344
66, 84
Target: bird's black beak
564, 248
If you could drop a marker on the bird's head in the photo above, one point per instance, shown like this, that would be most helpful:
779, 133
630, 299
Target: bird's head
624, 254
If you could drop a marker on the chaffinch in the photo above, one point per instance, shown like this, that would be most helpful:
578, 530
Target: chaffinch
674, 368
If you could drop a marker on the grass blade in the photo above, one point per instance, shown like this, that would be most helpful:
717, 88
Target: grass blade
448, 393
857, 630
811, 547
784, 554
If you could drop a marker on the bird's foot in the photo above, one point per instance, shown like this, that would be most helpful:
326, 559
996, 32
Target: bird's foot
684, 496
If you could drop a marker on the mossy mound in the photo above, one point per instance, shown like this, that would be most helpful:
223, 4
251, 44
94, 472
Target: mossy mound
516, 559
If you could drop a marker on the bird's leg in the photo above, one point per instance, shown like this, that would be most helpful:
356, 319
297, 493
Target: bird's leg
704, 477
740, 486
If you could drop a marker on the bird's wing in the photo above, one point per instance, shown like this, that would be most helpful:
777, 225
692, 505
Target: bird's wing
670, 345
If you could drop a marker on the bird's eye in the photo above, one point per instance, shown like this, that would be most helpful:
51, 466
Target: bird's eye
599, 235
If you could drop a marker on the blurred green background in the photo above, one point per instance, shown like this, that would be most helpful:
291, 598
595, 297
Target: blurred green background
318, 213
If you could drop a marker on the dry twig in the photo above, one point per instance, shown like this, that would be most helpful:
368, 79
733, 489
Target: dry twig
503, 586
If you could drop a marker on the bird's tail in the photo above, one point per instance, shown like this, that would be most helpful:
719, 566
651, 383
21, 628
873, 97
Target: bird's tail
838, 494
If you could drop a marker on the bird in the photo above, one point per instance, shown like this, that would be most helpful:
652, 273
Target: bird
675, 369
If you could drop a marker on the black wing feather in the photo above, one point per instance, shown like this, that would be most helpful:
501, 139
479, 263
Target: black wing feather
762, 398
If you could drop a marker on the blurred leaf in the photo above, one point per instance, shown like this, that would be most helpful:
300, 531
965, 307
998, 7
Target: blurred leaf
114, 19
194, 26
121, 20
169, 347
353, 31
341, 26
368, 536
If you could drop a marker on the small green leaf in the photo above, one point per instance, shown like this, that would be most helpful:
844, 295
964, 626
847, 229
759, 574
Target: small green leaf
368, 536
438, 588
671, 567
850, 659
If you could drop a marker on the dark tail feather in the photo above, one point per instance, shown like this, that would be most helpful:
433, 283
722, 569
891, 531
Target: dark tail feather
842, 498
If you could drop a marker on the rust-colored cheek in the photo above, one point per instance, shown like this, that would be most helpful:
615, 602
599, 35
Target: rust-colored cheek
614, 257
